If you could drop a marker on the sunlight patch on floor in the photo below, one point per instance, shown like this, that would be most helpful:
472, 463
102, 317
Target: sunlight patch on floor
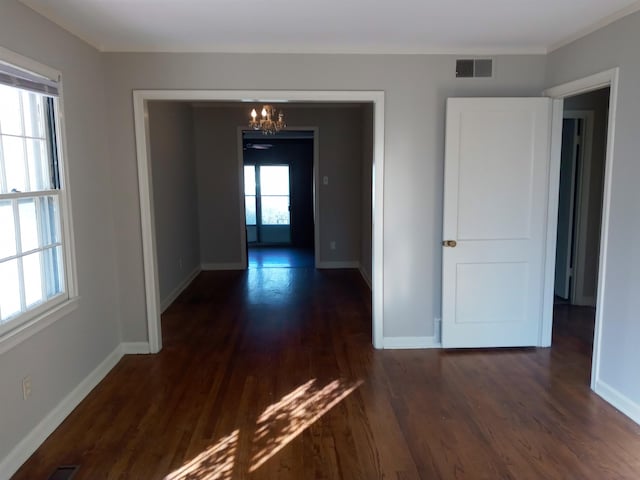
278, 425
283, 421
214, 463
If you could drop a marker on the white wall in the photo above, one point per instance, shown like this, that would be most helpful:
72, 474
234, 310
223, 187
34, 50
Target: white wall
175, 200
415, 86
59, 357
616, 46
216, 148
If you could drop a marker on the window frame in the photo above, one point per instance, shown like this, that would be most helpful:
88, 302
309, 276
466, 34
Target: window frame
26, 324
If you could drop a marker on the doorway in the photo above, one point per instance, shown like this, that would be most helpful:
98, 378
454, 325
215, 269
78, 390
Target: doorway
580, 200
279, 198
141, 99
563, 94
267, 202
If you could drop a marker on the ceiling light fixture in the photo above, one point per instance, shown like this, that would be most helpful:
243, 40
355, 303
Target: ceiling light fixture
267, 124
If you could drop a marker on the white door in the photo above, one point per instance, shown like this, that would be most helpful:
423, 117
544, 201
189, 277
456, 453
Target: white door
495, 220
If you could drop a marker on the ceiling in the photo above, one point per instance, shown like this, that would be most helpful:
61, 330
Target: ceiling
332, 26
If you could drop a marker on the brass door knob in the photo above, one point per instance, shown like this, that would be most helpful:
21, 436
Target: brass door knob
449, 243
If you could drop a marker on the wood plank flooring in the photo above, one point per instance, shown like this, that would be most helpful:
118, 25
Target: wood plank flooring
270, 374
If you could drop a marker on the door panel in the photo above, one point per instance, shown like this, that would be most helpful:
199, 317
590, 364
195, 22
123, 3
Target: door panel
495, 208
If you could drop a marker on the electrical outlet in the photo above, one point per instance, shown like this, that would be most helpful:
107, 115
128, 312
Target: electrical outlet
332, 245
26, 387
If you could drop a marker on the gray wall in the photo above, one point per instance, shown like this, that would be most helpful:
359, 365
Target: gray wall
616, 46
216, 147
175, 201
415, 87
340, 146
367, 184
59, 357
598, 102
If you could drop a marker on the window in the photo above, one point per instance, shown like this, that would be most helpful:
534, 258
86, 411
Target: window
33, 251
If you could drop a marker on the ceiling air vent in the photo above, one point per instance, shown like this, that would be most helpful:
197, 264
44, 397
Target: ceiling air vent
478, 68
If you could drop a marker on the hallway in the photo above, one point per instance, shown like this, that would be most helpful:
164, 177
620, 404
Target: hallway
280, 257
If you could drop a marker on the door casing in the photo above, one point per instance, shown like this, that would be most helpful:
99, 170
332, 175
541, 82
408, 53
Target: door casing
607, 78
149, 255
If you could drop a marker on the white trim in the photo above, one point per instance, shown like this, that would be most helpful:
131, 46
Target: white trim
30, 443
140, 99
333, 50
623, 403
22, 332
135, 348
166, 302
410, 343
583, 85
209, 267
45, 318
337, 265
17, 60
365, 277
608, 20
610, 79
583, 186
145, 190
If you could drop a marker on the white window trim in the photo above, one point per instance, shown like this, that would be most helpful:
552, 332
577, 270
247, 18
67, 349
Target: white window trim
39, 318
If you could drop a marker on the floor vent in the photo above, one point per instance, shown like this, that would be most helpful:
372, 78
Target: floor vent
64, 472
474, 68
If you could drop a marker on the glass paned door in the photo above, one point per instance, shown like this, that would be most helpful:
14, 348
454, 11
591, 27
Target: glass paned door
267, 200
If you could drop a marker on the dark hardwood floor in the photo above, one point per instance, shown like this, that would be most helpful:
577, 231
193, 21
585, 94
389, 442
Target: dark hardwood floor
270, 374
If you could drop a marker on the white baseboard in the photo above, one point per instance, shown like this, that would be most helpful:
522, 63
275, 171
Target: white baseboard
620, 401
222, 266
365, 277
135, 348
166, 303
338, 265
29, 444
406, 343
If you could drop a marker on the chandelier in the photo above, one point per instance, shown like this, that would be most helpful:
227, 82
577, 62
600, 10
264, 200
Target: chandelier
267, 124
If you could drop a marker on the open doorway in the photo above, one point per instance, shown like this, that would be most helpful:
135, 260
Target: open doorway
580, 211
279, 199
373, 222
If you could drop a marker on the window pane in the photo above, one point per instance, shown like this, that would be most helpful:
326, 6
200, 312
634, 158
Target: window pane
38, 160
274, 180
250, 208
9, 289
28, 224
249, 180
275, 210
32, 111
7, 227
49, 216
10, 119
32, 278
13, 152
53, 271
